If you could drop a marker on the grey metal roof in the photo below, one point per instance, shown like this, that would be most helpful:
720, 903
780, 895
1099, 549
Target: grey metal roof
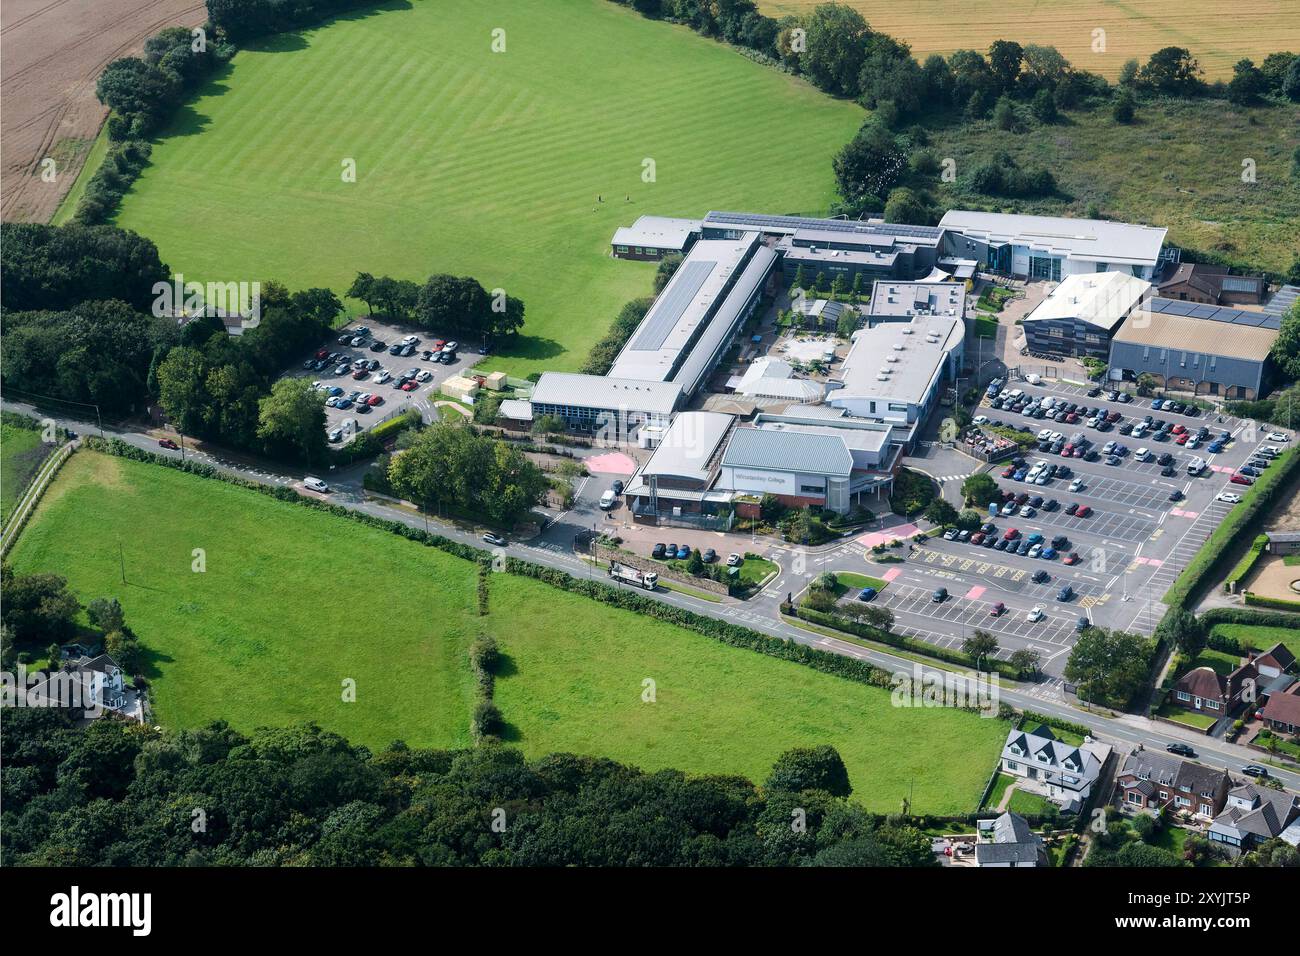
1282, 300
918, 298
604, 392
788, 451
1085, 239
1179, 328
791, 224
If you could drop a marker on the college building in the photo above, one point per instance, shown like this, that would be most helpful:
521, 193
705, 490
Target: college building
653, 237
1082, 313
1051, 247
1201, 349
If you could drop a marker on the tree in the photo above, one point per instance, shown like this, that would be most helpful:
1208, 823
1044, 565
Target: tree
1248, 83
1123, 108
1005, 57
979, 489
37, 607
1146, 384
889, 74
1109, 666
1172, 70
937, 76
1184, 630
836, 48
142, 95
292, 417
1128, 73
57, 267
810, 768
666, 269
1044, 106
980, 646
1274, 68
1286, 347
869, 166
848, 321
106, 614
968, 519
1004, 115
1044, 68
971, 78
905, 206
1026, 661
1291, 85
363, 288
940, 512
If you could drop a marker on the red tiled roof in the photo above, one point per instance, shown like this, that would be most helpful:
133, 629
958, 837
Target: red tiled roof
1202, 682
1283, 707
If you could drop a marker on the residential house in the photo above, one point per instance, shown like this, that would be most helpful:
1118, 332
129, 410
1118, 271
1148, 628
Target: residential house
1009, 842
1254, 815
87, 683
1062, 772
1274, 662
1150, 781
1211, 285
1282, 711
1204, 690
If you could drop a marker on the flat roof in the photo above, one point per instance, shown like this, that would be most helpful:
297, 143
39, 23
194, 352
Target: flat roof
861, 439
1179, 332
886, 257
689, 446
1102, 299
794, 451
1094, 240
898, 361
654, 351
918, 298
788, 225
657, 232
603, 391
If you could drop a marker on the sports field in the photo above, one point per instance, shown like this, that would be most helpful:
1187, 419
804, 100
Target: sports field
291, 603
574, 682
1216, 36
480, 163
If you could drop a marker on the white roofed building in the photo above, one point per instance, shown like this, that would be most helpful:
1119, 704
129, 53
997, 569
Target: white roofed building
1082, 313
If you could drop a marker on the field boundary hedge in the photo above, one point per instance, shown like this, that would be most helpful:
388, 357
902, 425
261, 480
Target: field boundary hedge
1242, 520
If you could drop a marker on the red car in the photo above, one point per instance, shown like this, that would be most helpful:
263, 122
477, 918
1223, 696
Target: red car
167, 443
322, 354
1008, 472
375, 400
1071, 558
977, 538
997, 610
438, 343
1011, 534
1179, 429
1243, 480
359, 374
1182, 439
1083, 512
410, 386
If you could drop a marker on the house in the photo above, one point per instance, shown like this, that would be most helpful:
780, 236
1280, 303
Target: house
1282, 711
1254, 815
1151, 781
1204, 690
1062, 772
1010, 843
89, 684
1211, 285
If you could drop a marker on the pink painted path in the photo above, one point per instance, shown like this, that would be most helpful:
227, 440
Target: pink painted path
974, 593
886, 535
891, 574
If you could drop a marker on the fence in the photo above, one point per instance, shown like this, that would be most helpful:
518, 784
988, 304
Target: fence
32, 496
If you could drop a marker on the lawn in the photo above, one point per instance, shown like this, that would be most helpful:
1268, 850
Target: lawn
480, 163
21, 453
1260, 636
573, 682
284, 612
1029, 804
1220, 662
1171, 168
1189, 718
1258, 28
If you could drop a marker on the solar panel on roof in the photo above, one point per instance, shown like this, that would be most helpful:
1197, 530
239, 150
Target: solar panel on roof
1253, 319
1271, 321
766, 222
675, 301
1217, 315
1203, 312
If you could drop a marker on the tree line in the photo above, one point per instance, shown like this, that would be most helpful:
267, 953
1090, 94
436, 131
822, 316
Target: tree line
444, 303
303, 796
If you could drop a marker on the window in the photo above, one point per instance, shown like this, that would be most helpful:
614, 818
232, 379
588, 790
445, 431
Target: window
1134, 797
811, 490
1183, 695
1164, 794
1212, 704
1012, 765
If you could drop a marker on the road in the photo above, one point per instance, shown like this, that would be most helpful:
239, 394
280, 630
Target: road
552, 548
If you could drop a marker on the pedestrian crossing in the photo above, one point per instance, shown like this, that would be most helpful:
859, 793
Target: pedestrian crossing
943, 478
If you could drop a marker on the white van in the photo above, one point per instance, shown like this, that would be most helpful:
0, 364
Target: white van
1195, 466
315, 484
607, 499
1033, 379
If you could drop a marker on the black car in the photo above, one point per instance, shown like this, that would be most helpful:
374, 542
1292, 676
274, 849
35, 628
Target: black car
1051, 504
1168, 471
939, 596
1040, 577
377, 346
1063, 471
710, 556
1181, 749
618, 487
1175, 495
1125, 428
1094, 392
1036, 501
396, 349
1060, 542
1254, 770
1165, 459
657, 551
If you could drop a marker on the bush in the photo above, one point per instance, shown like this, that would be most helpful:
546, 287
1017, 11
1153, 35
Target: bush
487, 720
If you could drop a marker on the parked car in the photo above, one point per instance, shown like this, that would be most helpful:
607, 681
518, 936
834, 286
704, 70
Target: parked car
1082, 624
1071, 559
1035, 614
998, 609
1228, 496
1083, 512
1040, 577
1072, 507
1076, 485
1065, 593
939, 596
1240, 479
866, 594
683, 553
657, 551
709, 556
377, 346
410, 385
1181, 749
1277, 436
734, 560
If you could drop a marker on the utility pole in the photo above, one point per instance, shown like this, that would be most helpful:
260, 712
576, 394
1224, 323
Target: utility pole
121, 560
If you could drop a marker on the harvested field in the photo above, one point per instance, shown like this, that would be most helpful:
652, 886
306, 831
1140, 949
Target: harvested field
51, 52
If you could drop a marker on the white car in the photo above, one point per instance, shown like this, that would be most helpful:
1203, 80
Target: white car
1142, 454
608, 499
1277, 436
381, 376
1076, 485
1033, 379
1035, 615
423, 375
335, 435
1229, 497
1045, 434
1271, 450
410, 340
315, 484
980, 420
734, 560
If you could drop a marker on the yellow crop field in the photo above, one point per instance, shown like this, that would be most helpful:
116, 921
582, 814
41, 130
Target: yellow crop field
1217, 32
